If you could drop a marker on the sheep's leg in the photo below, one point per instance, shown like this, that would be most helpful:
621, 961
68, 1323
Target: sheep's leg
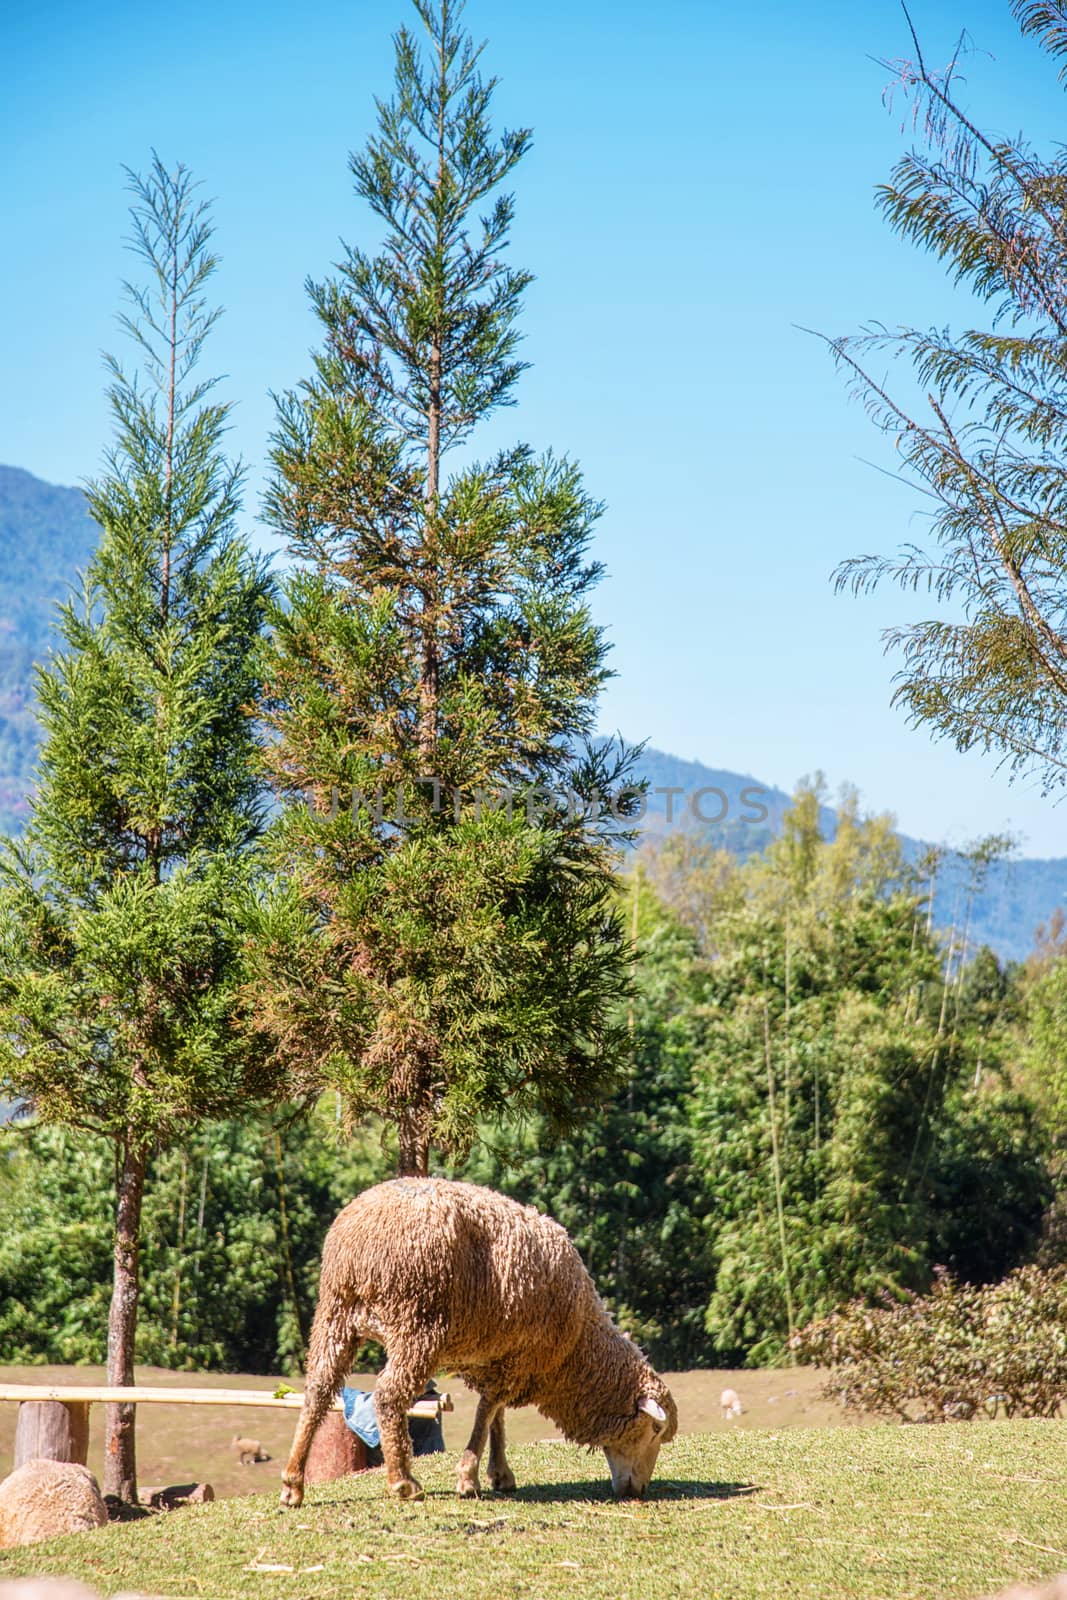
467, 1470
333, 1336
399, 1385
500, 1474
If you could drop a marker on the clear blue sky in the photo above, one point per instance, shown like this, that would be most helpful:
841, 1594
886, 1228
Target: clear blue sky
702, 182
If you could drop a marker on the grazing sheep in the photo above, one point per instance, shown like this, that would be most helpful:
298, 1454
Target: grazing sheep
730, 1403
453, 1275
46, 1498
248, 1450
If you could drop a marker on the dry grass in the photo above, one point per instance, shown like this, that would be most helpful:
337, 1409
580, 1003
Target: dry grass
183, 1444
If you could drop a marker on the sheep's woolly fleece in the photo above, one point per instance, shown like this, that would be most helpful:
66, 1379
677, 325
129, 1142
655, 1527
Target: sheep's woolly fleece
498, 1291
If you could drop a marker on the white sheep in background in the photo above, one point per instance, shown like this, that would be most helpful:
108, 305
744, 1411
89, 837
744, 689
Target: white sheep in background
730, 1403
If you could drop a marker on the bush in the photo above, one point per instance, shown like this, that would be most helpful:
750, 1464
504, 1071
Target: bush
960, 1351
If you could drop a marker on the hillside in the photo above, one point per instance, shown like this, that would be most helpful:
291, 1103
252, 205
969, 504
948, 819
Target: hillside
1018, 896
46, 537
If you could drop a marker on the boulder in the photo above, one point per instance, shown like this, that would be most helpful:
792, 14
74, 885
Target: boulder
44, 1499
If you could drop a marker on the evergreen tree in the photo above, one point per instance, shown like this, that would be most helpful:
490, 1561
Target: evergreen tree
626, 1182
989, 671
445, 948
120, 930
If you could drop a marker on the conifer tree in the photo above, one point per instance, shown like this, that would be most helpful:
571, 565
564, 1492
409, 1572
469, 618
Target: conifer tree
988, 669
120, 933
445, 948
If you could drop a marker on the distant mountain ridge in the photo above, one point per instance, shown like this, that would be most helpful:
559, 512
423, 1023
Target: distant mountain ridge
47, 537
1018, 896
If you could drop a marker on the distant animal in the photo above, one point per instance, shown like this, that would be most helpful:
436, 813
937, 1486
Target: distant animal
44, 1499
453, 1275
248, 1450
730, 1403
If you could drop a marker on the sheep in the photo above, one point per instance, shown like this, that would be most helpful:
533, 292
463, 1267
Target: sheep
248, 1450
43, 1499
730, 1403
453, 1275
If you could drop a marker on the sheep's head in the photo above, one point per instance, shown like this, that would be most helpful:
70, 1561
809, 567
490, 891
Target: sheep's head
632, 1453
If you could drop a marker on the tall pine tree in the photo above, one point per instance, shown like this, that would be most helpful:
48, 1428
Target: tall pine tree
120, 911
445, 947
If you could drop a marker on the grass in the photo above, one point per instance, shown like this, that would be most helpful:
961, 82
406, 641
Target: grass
874, 1512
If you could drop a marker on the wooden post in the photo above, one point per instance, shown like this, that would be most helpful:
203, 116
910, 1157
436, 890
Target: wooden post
335, 1451
52, 1430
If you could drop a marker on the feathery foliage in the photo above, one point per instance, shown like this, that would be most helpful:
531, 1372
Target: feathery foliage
120, 910
445, 947
990, 451
626, 1182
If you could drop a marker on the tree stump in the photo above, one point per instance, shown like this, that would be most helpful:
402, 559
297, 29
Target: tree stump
52, 1430
335, 1451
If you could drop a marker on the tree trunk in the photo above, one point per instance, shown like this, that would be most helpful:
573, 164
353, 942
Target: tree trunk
335, 1451
429, 669
120, 1464
52, 1430
414, 1155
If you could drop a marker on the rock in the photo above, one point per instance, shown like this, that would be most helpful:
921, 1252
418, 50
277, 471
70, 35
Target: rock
44, 1499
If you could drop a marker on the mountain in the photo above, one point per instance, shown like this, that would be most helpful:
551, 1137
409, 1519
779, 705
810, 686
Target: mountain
47, 536
1017, 897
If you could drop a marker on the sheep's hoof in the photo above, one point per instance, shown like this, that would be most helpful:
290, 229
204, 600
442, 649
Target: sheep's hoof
292, 1495
406, 1489
503, 1480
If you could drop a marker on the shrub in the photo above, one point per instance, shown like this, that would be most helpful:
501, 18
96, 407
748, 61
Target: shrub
960, 1351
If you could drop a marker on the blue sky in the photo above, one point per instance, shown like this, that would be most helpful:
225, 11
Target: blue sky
701, 187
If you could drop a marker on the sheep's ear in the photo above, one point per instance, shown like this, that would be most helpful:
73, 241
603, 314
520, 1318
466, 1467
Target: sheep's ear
652, 1408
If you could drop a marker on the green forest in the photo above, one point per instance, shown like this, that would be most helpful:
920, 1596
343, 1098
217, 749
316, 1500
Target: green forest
816, 1103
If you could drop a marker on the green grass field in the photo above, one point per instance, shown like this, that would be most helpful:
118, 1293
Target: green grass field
879, 1511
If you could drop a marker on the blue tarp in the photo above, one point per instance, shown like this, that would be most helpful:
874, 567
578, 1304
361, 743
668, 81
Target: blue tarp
427, 1435
361, 1415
